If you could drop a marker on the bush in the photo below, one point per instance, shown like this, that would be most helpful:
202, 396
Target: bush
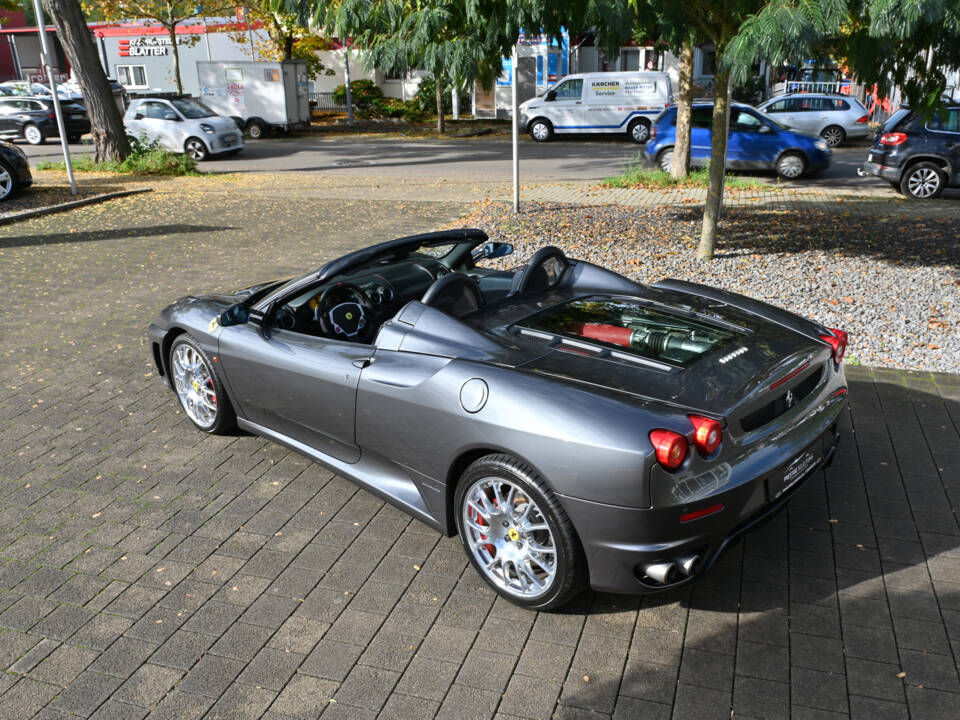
426, 99
144, 159
364, 95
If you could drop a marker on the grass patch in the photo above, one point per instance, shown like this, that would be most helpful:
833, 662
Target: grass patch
142, 160
638, 176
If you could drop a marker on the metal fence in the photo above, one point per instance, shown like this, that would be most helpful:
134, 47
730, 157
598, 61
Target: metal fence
325, 101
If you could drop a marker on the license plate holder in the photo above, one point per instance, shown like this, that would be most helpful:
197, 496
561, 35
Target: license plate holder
794, 471
226, 140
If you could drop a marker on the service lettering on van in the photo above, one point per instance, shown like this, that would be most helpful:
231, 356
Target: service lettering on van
605, 87
642, 88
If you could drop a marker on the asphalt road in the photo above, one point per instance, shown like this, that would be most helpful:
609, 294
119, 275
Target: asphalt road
564, 159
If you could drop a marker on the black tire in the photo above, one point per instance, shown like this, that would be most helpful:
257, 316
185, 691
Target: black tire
570, 575
896, 186
541, 130
833, 135
8, 181
73, 139
639, 131
196, 148
791, 165
665, 159
33, 134
225, 418
256, 128
923, 181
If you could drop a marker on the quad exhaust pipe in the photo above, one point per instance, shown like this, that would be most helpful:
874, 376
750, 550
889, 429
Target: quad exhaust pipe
667, 573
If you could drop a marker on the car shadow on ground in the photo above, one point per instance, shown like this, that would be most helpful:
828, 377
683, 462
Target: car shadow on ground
846, 601
112, 234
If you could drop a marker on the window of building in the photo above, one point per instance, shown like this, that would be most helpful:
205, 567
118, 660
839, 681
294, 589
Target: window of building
132, 76
630, 60
708, 62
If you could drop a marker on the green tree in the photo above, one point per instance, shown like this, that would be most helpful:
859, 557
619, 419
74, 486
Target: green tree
289, 32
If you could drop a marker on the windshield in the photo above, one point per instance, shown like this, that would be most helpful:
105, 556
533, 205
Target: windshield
629, 326
192, 110
777, 125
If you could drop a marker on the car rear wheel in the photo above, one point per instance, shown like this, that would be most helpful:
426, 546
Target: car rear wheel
256, 129
517, 535
541, 130
195, 148
8, 181
665, 160
198, 387
833, 135
923, 181
33, 135
639, 131
791, 165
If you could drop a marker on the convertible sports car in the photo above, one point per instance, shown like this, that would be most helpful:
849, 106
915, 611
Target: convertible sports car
574, 427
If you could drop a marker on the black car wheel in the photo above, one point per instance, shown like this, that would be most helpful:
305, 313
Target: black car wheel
198, 387
639, 131
791, 165
33, 134
8, 181
541, 130
195, 148
923, 181
665, 160
73, 139
256, 129
517, 535
833, 135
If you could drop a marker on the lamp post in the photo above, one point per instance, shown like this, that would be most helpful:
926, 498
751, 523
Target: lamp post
58, 111
516, 131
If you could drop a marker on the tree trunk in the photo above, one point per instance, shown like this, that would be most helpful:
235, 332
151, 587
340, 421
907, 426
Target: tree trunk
438, 84
681, 150
172, 29
718, 152
288, 46
106, 123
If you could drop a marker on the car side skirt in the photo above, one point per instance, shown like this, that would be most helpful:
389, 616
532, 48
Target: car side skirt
385, 479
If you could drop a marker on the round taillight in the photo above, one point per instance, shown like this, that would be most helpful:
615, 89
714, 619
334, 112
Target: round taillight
671, 448
707, 434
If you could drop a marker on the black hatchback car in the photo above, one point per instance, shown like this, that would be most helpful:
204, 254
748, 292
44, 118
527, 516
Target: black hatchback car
918, 157
33, 119
14, 170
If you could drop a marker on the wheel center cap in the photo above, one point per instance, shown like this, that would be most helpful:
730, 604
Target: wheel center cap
513, 534
196, 386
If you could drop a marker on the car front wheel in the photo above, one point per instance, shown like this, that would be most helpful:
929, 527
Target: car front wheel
923, 181
517, 535
195, 148
541, 130
8, 182
791, 165
33, 135
198, 388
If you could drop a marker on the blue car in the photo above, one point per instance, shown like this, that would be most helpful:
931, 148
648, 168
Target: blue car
757, 142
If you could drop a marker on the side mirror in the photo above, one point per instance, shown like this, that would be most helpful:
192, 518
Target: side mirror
551, 95
765, 129
491, 250
138, 116
235, 315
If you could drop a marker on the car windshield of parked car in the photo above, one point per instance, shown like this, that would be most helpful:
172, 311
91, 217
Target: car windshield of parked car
193, 110
628, 326
768, 119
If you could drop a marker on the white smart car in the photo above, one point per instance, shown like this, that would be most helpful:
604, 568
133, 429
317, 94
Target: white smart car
182, 125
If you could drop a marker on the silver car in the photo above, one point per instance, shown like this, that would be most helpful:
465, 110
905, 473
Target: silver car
835, 118
182, 125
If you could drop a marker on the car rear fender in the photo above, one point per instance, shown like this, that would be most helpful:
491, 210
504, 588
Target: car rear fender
942, 160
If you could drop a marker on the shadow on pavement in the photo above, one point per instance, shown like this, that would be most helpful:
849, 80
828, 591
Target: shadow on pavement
112, 234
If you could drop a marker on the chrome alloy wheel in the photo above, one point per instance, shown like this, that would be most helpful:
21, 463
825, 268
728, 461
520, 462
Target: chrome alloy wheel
33, 135
196, 149
6, 183
194, 385
509, 537
790, 166
833, 136
924, 182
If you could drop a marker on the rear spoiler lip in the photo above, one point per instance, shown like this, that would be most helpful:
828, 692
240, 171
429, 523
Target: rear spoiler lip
771, 313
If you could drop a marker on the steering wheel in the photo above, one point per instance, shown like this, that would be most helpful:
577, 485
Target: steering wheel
345, 313
542, 271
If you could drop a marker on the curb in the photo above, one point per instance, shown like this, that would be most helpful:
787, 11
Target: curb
27, 214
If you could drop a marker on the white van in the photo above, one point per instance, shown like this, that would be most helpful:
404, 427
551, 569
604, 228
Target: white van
603, 102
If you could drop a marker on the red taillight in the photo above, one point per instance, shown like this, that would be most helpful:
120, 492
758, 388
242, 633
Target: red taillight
701, 513
671, 448
893, 138
707, 434
653, 132
51, 116
837, 342
864, 119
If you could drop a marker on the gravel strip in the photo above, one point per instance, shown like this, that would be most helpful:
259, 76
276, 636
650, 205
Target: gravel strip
892, 283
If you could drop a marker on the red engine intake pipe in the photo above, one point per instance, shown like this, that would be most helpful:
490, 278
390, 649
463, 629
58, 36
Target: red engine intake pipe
604, 333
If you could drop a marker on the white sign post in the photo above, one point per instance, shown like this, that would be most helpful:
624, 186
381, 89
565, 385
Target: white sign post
45, 61
516, 131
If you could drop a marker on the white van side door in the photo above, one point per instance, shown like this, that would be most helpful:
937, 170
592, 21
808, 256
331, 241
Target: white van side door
604, 111
565, 109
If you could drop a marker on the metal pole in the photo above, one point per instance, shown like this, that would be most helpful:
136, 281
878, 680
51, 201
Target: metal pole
45, 60
206, 36
346, 82
246, 16
516, 130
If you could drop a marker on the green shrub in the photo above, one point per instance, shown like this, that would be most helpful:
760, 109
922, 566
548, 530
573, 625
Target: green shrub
639, 175
363, 93
144, 159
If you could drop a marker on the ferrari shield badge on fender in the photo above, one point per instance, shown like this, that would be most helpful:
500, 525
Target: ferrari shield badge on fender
214, 324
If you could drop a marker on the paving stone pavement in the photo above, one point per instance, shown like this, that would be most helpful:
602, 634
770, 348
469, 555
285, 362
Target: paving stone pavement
148, 570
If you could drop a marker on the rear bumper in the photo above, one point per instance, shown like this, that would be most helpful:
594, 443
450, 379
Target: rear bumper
619, 541
882, 171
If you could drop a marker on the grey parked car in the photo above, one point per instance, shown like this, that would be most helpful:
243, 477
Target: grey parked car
835, 118
572, 426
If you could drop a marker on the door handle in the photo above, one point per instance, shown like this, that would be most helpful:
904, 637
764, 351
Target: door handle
361, 364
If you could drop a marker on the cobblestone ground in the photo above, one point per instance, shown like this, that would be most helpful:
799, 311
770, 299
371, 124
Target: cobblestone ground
149, 570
